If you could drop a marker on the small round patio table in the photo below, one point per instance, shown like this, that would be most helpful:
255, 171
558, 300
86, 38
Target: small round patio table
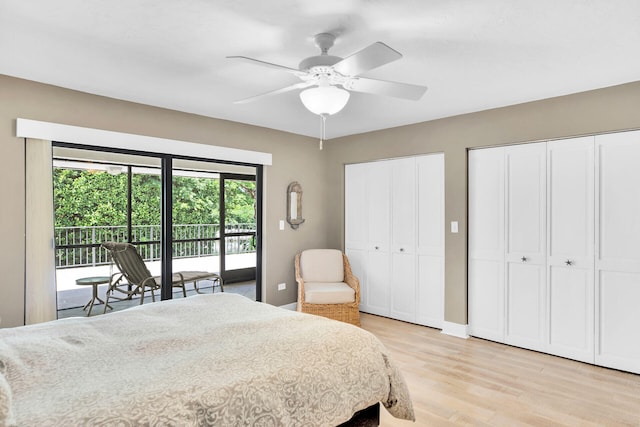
93, 281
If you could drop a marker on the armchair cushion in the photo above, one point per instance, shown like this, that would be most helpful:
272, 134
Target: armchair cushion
328, 293
322, 265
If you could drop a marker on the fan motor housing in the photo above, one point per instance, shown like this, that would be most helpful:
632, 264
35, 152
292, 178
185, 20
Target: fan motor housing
318, 61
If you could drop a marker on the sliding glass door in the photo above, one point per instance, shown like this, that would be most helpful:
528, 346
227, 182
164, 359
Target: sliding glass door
196, 220
103, 196
239, 227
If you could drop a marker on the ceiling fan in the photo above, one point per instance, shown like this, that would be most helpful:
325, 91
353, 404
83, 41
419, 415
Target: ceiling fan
327, 79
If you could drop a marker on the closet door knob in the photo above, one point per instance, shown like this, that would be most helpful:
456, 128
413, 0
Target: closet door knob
401, 249
524, 259
377, 247
568, 262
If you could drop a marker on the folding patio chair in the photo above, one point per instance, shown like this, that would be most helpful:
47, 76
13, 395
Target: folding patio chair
138, 278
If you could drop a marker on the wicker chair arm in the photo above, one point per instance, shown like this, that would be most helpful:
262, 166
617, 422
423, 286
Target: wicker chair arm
350, 279
299, 279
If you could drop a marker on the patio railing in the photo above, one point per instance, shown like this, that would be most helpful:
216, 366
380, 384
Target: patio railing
80, 246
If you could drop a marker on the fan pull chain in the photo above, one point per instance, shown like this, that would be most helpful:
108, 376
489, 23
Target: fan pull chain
322, 128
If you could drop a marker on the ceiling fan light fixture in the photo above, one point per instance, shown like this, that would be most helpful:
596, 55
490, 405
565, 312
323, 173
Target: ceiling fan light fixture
324, 100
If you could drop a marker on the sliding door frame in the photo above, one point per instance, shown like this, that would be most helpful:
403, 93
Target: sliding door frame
243, 274
166, 228
166, 174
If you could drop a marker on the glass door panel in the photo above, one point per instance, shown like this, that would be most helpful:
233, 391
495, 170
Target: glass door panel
239, 228
146, 216
101, 197
196, 224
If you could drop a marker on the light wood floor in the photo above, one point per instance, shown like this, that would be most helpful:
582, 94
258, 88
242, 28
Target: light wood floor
473, 382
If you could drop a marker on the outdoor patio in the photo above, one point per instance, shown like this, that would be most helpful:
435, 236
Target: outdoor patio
71, 298
77, 298
196, 247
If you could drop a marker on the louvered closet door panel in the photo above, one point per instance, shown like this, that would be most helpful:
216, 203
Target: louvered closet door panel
570, 228
378, 262
356, 219
430, 240
379, 205
356, 204
403, 205
526, 245
486, 243
618, 251
378, 278
403, 259
403, 287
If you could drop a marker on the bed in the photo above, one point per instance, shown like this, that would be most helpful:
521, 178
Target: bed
216, 359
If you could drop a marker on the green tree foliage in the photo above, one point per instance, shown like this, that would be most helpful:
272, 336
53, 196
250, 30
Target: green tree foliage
93, 198
239, 199
145, 199
196, 200
89, 198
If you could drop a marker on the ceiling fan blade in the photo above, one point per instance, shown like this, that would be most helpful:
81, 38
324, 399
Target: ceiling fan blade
300, 85
266, 64
372, 56
384, 87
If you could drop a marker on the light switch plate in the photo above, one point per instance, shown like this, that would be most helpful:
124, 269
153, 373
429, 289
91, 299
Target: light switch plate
454, 226
282, 224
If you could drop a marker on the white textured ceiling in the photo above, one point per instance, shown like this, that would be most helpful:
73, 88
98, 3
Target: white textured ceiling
472, 54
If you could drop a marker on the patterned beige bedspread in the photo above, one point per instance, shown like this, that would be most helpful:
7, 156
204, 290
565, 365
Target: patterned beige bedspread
218, 359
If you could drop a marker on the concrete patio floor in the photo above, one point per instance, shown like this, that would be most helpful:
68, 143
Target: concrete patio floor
71, 301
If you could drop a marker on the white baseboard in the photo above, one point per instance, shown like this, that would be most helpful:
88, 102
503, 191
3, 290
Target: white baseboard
455, 329
293, 306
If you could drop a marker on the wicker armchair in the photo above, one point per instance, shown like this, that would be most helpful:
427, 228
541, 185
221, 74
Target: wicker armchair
326, 285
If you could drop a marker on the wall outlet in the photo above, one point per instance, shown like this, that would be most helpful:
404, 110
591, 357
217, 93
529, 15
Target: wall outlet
282, 286
454, 226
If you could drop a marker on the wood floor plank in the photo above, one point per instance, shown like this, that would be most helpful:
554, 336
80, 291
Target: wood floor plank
474, 382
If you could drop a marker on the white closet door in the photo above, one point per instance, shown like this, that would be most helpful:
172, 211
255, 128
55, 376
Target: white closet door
403, 206
378, 246
356, 218
570, 290
378, 205
430, 240
525, 253
403, 259
355, 206
486, 243
394, 236
618, 255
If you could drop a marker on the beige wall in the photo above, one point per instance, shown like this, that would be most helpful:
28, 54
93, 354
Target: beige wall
295, 158
604, 110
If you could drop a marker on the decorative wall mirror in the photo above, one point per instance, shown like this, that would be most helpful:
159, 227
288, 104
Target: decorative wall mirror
294, 205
